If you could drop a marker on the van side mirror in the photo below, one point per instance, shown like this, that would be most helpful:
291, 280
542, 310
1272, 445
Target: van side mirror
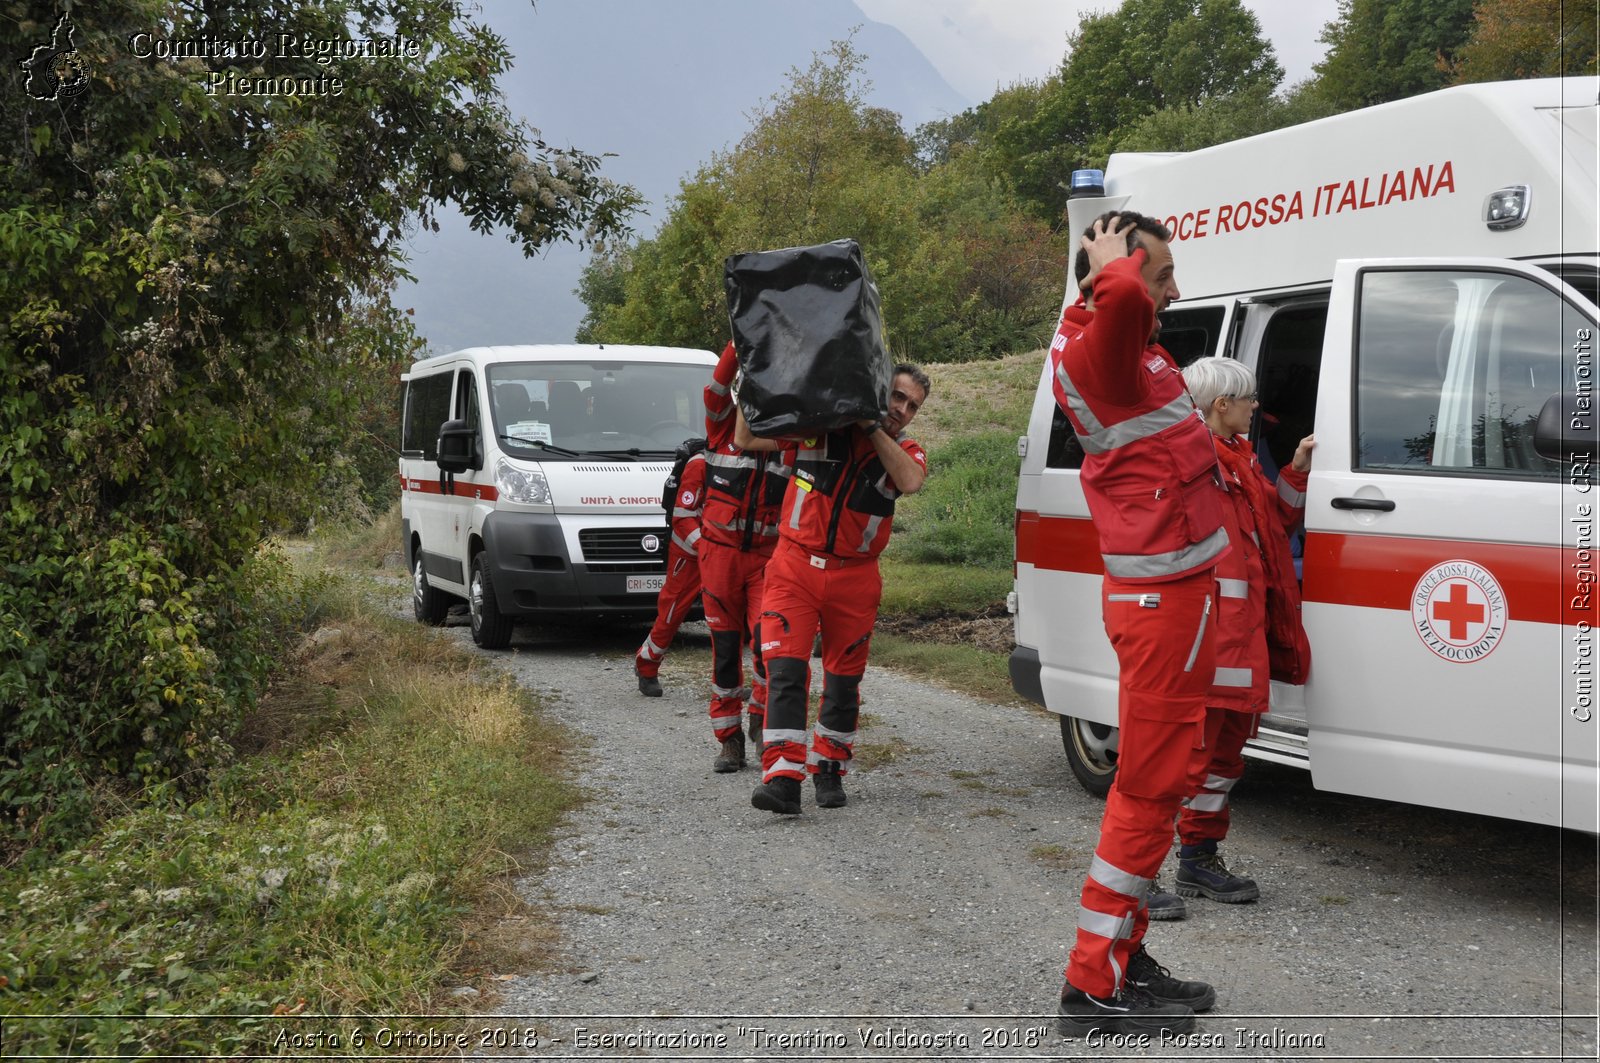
1565, 428
459, 447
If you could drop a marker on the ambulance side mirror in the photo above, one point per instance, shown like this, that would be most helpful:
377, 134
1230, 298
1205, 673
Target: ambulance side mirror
1565, 428
458, 447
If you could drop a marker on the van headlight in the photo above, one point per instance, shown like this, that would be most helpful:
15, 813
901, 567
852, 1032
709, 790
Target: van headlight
525, 486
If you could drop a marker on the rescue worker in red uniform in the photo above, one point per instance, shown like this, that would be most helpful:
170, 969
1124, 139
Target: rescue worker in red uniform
824, 576
1259, 520
739, 530
683, 575
1151, 480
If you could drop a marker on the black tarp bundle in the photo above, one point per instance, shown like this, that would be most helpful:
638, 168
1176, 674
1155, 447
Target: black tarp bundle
809, 336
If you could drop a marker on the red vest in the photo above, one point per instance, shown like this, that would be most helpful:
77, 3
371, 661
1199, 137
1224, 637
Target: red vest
1149, 470
743, 487
841, 500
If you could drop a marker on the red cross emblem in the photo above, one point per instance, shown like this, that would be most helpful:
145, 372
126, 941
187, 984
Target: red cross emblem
1458, 611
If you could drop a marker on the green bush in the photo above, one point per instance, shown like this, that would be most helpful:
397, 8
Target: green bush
197, 349
966, 512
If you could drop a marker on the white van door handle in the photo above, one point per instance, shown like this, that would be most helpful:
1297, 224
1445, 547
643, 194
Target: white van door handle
1383, 505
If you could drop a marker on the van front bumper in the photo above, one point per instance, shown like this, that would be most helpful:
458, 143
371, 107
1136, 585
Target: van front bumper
534, 574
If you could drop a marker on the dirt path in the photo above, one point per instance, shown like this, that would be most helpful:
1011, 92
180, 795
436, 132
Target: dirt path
930, 919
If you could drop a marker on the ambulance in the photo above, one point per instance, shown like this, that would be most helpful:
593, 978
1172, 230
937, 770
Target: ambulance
531, 479
1417, 283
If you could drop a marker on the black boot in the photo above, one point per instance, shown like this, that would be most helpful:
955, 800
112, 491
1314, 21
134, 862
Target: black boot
1128, 1010
780, 795
830, 785
1204, 872
1148, 975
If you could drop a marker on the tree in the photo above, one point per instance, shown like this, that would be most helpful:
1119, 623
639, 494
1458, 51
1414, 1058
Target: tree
1382, 50
199, 253
817, 164
1513, 39
1121, 67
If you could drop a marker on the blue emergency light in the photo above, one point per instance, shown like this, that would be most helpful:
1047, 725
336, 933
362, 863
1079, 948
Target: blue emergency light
1087, 183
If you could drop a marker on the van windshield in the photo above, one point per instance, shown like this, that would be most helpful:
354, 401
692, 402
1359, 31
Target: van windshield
597, 406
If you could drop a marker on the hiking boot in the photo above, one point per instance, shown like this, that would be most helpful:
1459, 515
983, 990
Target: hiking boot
756, 724
830, 786
1149, 976
1164, 905
1129, 1010
649, 685
781, 795
1206, 873
731, 756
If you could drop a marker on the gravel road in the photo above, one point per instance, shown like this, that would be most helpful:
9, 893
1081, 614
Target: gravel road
930, 919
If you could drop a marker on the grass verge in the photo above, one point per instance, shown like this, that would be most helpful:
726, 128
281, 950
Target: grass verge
979, 673
387, 785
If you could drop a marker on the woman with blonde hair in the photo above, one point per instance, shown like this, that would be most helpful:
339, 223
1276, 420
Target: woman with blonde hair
1259, 636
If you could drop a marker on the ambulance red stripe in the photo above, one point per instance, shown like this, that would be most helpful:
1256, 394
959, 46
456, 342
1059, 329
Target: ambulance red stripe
1366, 571
463, 488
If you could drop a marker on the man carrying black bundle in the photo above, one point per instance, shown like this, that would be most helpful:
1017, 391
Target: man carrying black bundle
835, 520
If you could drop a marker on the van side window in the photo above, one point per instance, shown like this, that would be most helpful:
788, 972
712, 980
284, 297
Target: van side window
1452, 367
1191, 334
427, 407
1286, 376
467, 399
1064, 450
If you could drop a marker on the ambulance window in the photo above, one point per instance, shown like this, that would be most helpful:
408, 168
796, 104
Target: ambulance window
1192, 333
1286, 376
1064, 451
1453, 367
467, 399
427, 407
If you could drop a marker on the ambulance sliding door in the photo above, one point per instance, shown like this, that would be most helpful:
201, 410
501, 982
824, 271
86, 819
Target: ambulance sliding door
1438, 544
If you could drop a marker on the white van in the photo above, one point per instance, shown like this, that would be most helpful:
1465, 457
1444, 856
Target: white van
531, 478
1417, 282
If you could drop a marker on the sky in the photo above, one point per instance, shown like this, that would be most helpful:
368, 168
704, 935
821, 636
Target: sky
984, 45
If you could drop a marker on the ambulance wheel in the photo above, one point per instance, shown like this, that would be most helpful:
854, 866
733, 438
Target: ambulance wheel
428, 604
1091, 753
491, 629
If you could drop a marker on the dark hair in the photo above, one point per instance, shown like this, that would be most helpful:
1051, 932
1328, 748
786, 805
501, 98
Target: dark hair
1128, 222
917, 376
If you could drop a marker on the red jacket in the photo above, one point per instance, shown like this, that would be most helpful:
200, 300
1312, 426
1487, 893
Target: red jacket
1259, 518
686, 505
1149, 469
840, 503
743, 487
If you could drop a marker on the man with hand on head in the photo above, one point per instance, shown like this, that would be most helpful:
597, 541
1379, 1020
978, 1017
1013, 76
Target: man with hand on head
1151, 480
835, 520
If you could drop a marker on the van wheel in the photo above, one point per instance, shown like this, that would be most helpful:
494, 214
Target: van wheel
1091, 753
429, 605
491, 629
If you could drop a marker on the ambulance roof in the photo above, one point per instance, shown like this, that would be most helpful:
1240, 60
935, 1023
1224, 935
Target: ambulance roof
572, 352
1403, 179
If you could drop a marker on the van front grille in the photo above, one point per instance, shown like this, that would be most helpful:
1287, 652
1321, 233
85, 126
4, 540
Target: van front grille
613, 547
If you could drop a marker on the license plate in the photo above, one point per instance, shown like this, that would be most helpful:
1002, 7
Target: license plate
645, 584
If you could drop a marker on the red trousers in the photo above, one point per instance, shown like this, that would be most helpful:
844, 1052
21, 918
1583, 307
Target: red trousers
1163, 638
1205, 813
676, 599
732, 581
801, 598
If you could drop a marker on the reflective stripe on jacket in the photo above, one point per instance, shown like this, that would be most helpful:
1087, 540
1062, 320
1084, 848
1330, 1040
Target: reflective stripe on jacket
1150, 469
